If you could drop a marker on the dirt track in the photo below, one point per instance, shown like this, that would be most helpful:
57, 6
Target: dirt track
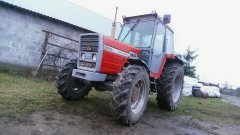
58, 123
232, 99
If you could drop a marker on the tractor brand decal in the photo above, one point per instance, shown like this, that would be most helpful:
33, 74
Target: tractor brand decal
131, 54
114, 50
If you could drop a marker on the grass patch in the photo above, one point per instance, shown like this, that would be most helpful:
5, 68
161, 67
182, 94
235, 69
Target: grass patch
213, 109
21, 95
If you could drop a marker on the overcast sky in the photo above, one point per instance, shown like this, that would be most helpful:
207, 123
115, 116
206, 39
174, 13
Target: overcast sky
211, 26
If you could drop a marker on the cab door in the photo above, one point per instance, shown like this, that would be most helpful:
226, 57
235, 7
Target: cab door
158, 47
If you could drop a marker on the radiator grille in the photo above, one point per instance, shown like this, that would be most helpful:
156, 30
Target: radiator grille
88, 47
89, 43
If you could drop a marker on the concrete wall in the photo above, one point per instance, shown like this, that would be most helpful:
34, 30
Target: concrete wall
21, 35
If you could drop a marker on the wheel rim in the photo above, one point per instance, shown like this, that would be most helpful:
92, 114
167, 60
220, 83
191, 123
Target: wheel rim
77, 85
138, 96
177, 89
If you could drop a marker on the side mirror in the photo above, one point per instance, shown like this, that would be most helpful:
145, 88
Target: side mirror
166, 19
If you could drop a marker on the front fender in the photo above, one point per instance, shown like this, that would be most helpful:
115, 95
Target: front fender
138, 62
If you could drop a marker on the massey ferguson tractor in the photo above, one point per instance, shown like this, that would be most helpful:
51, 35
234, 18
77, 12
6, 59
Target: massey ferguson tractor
139, 62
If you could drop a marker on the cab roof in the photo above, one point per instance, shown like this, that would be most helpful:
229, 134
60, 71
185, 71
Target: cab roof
145, 17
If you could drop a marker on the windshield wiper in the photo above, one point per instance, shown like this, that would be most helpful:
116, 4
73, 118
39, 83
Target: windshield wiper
131, 29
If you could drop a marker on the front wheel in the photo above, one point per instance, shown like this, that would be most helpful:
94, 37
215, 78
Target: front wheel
130, 94
69, 87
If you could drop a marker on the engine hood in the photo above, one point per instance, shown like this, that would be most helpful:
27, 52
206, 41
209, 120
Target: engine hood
120, 46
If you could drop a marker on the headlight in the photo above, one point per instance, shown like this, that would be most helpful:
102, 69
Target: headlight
94, 57
83, 56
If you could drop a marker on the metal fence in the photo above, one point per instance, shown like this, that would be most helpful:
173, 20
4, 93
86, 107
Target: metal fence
56, 51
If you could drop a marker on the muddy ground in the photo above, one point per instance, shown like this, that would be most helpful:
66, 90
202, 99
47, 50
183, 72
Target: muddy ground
57, 122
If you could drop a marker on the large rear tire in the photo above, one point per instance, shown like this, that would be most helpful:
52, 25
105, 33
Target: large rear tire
69, 87
130, 94
170, 86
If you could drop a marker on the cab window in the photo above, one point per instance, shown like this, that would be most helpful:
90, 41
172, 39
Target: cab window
159, 39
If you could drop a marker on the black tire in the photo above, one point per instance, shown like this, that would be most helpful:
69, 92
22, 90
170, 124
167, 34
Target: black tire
170, 86
130, 94
69, 87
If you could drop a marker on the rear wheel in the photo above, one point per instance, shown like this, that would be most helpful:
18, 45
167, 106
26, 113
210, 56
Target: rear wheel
69, 87
130, 94
170, 86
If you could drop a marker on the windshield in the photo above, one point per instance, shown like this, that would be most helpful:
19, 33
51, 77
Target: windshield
138, 34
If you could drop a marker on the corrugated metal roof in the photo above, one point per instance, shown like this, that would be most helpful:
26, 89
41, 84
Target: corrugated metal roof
67, 12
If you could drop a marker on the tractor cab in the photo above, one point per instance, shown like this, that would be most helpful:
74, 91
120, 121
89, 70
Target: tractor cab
151, 35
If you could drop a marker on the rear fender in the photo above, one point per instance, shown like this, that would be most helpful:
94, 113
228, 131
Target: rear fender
175, 60
180, 59
168, 58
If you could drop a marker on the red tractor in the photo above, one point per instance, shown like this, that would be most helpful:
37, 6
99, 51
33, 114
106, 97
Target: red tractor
141, 61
